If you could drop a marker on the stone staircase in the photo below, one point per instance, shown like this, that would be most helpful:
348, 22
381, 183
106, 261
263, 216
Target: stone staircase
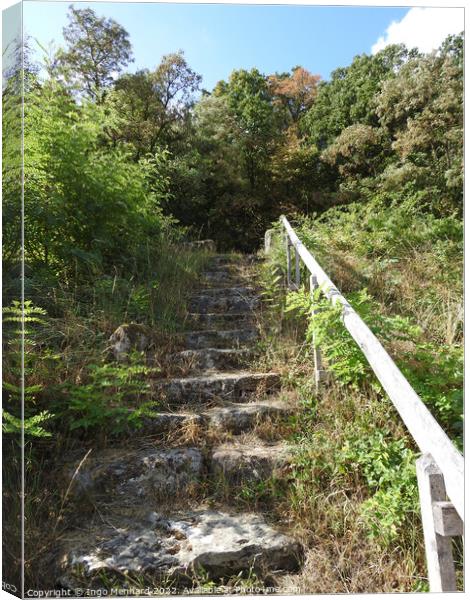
158, 514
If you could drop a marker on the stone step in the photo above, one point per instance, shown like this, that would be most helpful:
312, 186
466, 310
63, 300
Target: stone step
224, 260
241, 385
170, 422
220, 320
174, 548
237, 463
216, 338
221, 276
239, 418
208, 359
242, 291
207, 245
130, 474
232, 417
207, 303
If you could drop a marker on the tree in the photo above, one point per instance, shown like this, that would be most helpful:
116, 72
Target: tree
155, 105
422, 110
295, 92
19, 79
86, 205
349, 97
97, 49
208, 175
250, 101
357, 151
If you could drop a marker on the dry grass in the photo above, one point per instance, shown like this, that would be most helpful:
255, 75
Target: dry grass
348, 566
415, 286
326, 512
322, 505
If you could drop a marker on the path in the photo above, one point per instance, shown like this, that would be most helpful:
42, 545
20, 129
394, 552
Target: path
163, 509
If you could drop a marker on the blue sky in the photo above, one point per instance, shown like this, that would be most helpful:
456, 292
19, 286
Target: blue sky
219, 38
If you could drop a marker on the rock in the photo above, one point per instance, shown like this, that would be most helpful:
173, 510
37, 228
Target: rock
217, 543
129, 337
226, 386
131, 474
210, 358
237, 418
237, 463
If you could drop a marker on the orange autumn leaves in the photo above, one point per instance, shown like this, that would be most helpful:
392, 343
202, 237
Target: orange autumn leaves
295, 92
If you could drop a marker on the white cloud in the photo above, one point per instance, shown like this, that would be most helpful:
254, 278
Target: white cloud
422, 28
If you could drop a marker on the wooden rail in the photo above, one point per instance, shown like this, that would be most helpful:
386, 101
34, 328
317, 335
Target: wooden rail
440, 470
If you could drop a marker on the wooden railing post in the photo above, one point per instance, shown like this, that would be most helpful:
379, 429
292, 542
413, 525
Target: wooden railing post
317, 362
438, 525
289, 262
297, 268
268, 241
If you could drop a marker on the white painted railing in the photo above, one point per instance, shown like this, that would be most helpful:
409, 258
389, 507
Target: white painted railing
440, 470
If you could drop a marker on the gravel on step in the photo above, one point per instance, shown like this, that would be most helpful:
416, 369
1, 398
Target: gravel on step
202, 302
220, 277
217, 292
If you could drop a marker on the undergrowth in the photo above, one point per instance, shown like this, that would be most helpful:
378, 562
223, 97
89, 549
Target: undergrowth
353, 492
75, 395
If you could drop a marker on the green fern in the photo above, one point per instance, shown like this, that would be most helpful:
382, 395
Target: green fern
32, 426
21, 360
107, 397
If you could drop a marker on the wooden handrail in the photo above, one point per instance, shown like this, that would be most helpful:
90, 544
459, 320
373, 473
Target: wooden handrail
425, 430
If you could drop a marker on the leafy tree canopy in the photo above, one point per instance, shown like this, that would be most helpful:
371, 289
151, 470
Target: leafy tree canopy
97, 49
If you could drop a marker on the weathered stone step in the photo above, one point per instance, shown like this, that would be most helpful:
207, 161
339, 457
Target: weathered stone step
221, 276
238, 418
217, 338
175, 548
241, 291
230, 416
241, 385
207, 359
207, 245
224, 260
236, 462
130, 474
171, 422
206, 303
217, 320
